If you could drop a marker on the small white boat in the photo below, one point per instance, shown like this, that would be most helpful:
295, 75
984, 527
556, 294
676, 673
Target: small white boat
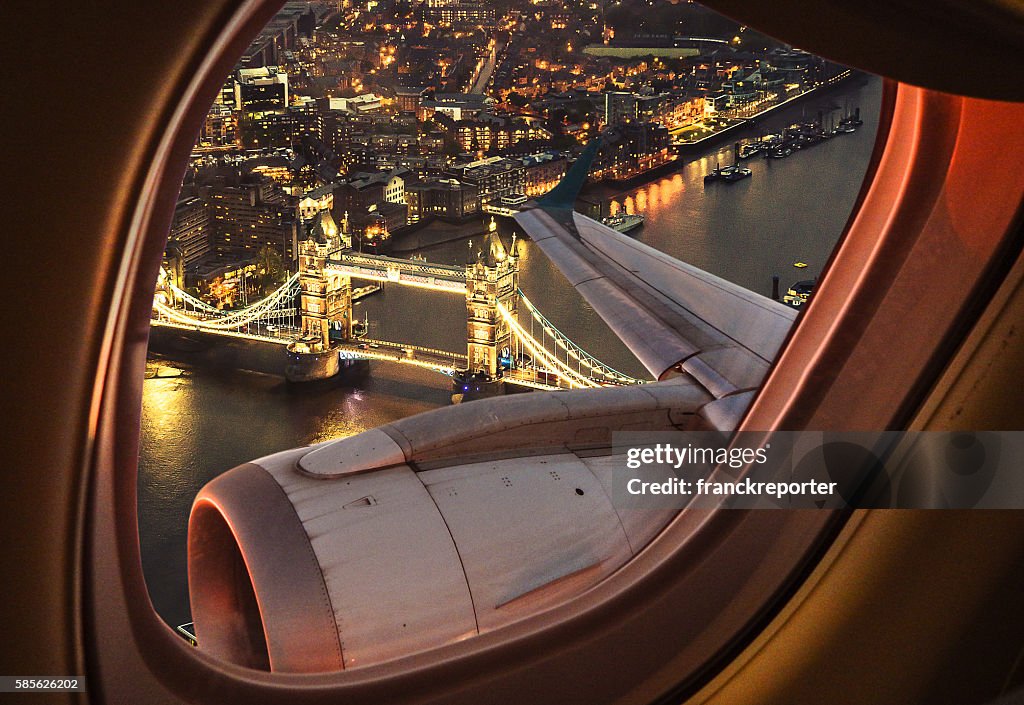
623, 223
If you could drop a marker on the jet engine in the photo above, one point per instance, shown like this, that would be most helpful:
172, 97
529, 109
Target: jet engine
425, 531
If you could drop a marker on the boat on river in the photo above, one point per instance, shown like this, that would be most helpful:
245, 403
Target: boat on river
624, 222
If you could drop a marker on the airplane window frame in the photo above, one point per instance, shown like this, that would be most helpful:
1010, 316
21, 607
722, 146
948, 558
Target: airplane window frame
125, 633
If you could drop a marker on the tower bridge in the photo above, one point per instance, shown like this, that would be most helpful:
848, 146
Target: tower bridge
311, 315
408, 272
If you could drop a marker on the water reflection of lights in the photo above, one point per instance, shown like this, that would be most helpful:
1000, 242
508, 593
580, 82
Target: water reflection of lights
340, 423
651, 198
663, 193
653, 195
166, 402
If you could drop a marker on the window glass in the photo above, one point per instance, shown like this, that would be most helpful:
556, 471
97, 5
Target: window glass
396, 139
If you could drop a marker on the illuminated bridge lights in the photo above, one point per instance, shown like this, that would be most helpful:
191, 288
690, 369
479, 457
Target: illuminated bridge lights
270, 307
573, 378
547, 369
581, 356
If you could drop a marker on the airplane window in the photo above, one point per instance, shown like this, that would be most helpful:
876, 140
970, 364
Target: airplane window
365, 232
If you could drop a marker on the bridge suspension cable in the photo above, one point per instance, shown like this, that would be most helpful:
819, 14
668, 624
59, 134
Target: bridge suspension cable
277, 305
572, 377
188, 300
582, 358
560, 357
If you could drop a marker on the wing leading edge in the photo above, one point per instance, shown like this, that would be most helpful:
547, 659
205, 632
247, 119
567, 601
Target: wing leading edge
670, 314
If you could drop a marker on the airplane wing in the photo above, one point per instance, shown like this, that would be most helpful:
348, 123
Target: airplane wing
670, 314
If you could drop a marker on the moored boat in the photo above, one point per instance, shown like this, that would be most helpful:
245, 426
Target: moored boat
798, 294
624, 222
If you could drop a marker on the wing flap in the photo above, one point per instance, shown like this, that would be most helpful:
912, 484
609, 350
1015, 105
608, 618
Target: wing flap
670, 314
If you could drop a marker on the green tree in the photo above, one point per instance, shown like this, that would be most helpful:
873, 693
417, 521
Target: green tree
518, 100
270, 269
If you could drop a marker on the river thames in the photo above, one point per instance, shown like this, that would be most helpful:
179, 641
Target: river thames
205, 421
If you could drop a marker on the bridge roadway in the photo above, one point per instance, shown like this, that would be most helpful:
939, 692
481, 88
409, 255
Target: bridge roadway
430, 358
442, 361
409, 272
277, 337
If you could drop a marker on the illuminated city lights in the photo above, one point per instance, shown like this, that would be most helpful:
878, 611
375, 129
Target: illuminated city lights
345, 129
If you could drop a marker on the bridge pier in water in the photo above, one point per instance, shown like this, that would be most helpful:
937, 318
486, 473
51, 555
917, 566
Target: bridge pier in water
325, 302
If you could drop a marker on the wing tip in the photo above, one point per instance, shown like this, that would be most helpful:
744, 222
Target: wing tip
564, 194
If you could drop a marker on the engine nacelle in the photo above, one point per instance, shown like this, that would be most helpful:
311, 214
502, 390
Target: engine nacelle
423, 532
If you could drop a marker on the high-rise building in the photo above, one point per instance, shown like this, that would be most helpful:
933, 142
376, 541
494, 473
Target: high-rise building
335, 128
619, 107
220, 128
442, 198
305, 120
260, 90
226, 97
494, 177
190, 230
261, 96
249, 216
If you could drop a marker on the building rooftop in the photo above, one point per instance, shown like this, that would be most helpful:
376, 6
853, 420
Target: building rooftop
363, 179
264, 72
472, 100
319, 191
541, 157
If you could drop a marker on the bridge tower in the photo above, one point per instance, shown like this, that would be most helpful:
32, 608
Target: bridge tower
325, 303
492, 278
326, 297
